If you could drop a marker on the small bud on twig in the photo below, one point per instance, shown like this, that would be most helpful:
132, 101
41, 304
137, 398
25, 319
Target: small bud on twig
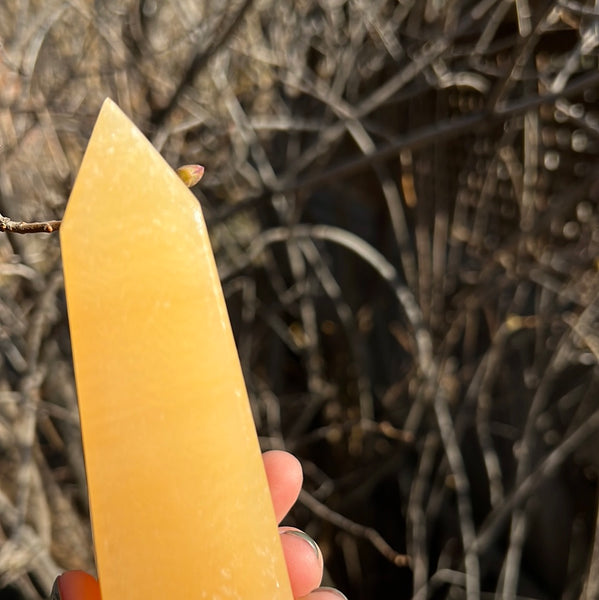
11, 226
190, 174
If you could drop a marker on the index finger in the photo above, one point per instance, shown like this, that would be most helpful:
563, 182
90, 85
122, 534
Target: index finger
284, 474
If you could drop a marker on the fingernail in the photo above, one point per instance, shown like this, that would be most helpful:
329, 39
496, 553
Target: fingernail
75, 585
306, 538
331, 591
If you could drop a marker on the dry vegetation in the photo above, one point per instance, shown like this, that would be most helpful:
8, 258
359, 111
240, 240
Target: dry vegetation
402, 197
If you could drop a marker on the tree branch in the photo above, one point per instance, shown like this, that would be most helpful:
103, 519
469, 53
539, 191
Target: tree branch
11, 226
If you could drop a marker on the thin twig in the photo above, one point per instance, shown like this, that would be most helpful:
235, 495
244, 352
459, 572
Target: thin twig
368, 533
11, 226
495, 521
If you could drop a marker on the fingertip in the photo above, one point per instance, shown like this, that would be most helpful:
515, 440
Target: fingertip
284, 474
325, 593
76, 585
280, 460
304, 561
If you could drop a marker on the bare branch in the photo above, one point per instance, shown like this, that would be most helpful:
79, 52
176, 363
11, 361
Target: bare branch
10, 226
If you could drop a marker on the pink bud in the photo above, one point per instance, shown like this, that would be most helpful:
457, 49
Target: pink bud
190, 174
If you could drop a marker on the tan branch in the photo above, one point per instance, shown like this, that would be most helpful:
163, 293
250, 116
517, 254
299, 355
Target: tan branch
11, 226
189, 174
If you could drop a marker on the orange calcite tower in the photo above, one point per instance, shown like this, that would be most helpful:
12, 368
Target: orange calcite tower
179, 500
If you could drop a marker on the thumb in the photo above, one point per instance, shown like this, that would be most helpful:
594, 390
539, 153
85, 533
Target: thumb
75, 585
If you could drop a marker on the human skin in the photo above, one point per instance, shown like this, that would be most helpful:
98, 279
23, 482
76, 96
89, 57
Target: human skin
304, 560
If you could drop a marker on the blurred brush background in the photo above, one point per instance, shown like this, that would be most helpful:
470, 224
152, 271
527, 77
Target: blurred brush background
403, 201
